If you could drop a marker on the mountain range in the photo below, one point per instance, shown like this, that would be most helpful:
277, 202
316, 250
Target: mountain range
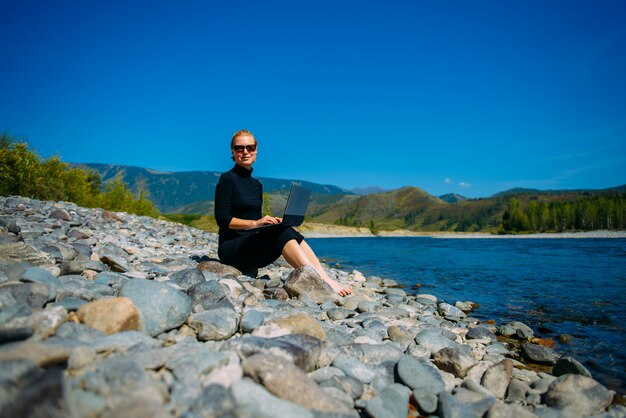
192, 192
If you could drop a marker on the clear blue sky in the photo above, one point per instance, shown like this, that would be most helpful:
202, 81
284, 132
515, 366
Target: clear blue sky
450, 96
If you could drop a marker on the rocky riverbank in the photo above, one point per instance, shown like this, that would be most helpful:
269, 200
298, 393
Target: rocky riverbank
107, 314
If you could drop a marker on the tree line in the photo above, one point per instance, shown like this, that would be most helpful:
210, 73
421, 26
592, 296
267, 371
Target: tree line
607, 211
24, 173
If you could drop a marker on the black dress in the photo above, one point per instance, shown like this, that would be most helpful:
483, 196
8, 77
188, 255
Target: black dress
239, 195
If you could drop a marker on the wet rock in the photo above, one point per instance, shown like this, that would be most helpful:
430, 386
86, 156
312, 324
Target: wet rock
480, 333
110, 315
566, 365
161, 307
539, 354
214, 325
448, 311
305, 280
288, 382
579, 394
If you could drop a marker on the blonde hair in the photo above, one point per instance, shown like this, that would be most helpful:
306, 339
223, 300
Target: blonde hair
241, 133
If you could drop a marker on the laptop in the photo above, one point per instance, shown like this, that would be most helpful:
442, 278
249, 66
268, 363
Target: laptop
297, 204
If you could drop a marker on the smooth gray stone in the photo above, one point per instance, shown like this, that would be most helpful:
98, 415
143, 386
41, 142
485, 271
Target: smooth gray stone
288, 382
579, 394
253, 400
300, 349
421, 376
451, 407
13, 374
39, 275
379, 353
539, 354
325, 373
433, 340
338, 337
124, 340
503, 410
161, 307
349, 385
96, 266
34, 295
215, 401
251, 320
394, 291
81, 289
187, 278
11, 308
78, 332
60, 252
74, 266
389, 283
392, 402
448, 311
14, 270
60, 214
511, 329
367, 306
393, 313
87, 404
70, 304
517, 391
340, 313
194, 359
207, 293
354, 368
111, 279
214, 325
480, 333
566, 365
497, 377
115, 375
115, 262
497, 348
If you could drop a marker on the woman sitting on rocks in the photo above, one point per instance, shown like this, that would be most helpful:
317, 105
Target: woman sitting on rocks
238, 201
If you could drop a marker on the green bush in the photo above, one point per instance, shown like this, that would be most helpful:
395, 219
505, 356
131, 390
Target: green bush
23, 173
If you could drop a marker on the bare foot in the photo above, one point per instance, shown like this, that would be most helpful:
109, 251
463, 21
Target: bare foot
341, 290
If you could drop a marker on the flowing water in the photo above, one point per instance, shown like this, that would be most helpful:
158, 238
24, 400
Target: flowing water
556, 286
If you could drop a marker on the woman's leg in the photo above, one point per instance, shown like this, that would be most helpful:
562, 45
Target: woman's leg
298, 255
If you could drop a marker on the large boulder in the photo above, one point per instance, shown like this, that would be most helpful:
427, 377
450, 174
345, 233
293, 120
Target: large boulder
579, 394
305, 280
161, 307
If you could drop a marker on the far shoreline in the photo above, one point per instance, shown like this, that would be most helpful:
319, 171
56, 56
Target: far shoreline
329, 231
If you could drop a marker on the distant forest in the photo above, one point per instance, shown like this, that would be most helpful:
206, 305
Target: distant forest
586, 214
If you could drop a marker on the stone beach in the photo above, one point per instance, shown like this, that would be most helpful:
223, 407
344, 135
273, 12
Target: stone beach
114, 315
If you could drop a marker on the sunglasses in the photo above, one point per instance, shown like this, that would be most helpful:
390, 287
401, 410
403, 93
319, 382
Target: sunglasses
249, 148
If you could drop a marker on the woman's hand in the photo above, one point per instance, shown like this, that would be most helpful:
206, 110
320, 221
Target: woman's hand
266, 220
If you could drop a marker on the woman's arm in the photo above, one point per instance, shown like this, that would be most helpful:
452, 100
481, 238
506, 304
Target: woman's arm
236, 223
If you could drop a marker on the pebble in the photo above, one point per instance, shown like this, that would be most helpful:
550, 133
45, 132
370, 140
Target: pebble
107, 314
